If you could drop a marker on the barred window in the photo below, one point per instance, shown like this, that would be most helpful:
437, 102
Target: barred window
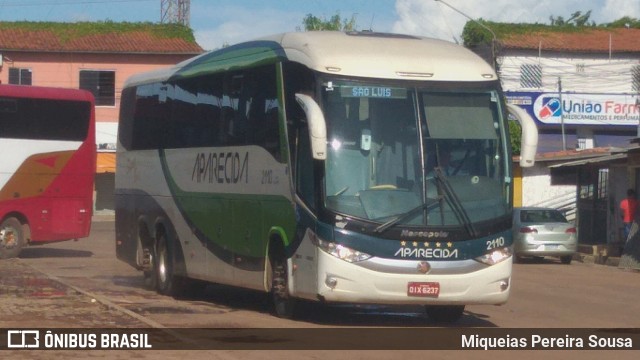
102, 84
18, 76
530, 76
635, 78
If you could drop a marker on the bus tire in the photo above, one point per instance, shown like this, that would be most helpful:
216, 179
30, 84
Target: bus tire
167, 283
150, 276
445, 313
146, 257
11, 238
283, 303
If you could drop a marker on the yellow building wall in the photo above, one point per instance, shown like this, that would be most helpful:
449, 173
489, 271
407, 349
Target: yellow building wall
517, 185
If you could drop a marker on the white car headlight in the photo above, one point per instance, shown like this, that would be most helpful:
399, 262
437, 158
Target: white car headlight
342, 252
495, 256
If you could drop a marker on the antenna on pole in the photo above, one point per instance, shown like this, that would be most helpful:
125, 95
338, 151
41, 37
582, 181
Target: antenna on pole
175, 12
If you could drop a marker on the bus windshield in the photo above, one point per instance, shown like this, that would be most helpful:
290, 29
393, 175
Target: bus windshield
415, 156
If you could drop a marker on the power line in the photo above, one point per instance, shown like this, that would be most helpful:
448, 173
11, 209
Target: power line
68, 2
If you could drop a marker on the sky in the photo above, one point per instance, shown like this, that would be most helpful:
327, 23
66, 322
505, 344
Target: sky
219, 22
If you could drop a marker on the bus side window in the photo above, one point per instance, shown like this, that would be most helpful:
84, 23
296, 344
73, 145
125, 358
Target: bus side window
272, 133
207, 116
209, 110
127, 108
151, 117
262, 109
183, 118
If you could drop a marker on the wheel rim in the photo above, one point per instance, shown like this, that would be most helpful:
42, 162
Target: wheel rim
162, 264
8, 237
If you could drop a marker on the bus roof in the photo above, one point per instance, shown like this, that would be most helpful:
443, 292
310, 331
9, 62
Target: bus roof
42, 92
358, 54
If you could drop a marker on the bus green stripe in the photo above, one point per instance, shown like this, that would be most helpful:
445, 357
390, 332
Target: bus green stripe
215, 216
234, 58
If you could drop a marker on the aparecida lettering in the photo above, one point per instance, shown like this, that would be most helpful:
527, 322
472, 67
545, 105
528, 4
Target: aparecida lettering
421, 253
221, 168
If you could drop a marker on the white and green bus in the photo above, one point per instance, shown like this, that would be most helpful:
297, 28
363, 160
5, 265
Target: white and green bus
360, 168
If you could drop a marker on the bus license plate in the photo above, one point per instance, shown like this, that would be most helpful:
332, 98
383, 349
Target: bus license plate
424, 289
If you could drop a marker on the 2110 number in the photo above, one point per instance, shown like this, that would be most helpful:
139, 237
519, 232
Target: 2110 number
495, 243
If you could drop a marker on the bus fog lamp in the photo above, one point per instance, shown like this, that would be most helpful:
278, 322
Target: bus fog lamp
496, 256
504, 285
331, 282
342, 252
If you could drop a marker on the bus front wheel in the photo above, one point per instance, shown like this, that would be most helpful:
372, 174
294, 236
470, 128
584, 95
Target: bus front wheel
11, 238
283, 302
445, 313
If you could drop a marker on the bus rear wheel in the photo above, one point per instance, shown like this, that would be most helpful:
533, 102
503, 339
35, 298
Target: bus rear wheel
165, 279
445, 313
11, 238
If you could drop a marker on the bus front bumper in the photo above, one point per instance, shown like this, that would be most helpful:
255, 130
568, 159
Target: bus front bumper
341, 281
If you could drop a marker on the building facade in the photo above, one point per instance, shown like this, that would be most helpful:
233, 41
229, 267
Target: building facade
97, 57
581, 86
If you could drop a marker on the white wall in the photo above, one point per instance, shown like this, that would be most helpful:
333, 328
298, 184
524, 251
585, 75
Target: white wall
106, 134
537, 189
578, 74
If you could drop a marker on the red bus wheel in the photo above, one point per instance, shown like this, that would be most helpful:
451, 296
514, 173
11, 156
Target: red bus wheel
11, 238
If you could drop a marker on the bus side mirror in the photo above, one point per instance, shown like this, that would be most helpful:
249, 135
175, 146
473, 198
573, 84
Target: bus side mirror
317, 126
529, 140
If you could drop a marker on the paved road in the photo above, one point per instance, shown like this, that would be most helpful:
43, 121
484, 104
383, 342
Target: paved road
81, 284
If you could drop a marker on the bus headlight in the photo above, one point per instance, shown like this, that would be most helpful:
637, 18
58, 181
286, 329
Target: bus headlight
342, 252
495, 256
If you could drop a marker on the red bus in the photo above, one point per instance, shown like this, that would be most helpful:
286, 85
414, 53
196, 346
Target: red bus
47, 165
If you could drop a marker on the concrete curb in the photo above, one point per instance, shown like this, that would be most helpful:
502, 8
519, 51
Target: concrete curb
103, 217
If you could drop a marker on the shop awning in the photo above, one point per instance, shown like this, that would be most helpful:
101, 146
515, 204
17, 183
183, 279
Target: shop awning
106, 162
592, 160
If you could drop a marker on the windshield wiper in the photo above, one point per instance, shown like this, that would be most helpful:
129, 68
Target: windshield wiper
425, 206
454, 201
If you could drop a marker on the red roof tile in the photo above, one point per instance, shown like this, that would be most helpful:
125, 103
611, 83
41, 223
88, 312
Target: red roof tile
142, 40
587, 40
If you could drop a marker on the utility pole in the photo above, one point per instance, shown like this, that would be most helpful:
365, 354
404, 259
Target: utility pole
564, 141
175, 12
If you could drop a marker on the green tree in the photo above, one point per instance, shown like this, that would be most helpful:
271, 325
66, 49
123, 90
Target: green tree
624, 22
336, 23
515, 132
474, 34
577, 19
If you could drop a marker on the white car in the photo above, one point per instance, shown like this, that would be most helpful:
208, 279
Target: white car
539, 232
